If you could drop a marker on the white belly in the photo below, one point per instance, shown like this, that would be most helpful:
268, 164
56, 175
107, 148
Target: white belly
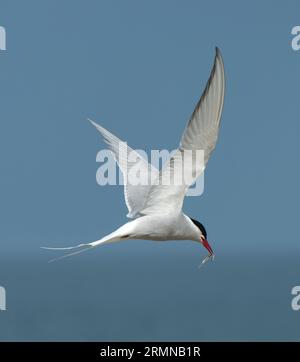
161, 227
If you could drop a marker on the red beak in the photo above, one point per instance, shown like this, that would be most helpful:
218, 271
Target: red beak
205, 243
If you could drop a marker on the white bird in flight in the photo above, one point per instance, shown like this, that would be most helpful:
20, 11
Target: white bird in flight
156, 208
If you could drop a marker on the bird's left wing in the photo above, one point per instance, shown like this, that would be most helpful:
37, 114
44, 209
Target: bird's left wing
130, 163
201, 134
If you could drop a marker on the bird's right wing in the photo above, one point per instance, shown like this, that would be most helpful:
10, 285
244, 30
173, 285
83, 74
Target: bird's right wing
131, 163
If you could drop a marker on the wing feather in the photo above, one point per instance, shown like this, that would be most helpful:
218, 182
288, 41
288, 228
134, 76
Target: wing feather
127, 158
201, 133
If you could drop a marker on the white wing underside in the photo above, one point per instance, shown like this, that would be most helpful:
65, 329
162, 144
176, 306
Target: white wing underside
127, 158
201, 133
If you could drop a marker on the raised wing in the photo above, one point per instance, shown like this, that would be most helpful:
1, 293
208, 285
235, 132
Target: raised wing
201, 133
130, 162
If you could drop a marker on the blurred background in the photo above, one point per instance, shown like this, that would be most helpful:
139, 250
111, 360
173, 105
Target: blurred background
138, 68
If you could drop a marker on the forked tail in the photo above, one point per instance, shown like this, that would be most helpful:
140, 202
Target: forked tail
84, 247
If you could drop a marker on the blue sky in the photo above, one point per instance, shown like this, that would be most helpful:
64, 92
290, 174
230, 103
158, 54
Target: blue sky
138, 68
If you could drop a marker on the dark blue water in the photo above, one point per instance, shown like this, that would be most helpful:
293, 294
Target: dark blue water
154, 293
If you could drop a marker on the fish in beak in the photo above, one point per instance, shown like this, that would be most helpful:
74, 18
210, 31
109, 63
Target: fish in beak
207, 246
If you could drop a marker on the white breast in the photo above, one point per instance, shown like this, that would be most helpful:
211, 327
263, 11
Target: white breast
161, 227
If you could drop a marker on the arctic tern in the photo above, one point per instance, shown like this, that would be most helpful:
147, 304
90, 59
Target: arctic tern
156, 208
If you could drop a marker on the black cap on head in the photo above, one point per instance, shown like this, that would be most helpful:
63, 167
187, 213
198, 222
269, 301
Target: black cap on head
200, 226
